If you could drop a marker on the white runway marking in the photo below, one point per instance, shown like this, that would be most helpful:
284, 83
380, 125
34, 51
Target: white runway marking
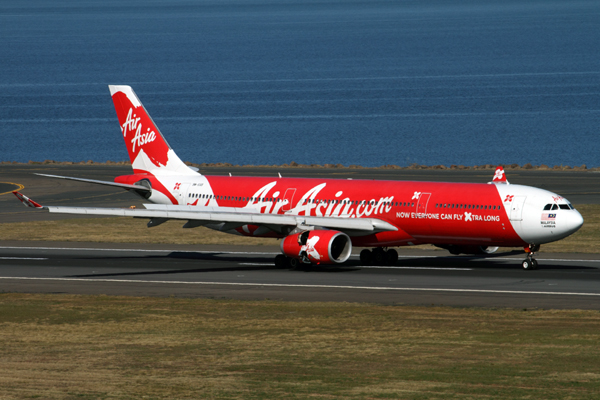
22, 258
285, 285
259, 264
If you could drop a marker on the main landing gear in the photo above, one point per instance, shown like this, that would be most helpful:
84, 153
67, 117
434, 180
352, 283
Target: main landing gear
282, 262
378, 256
530, 262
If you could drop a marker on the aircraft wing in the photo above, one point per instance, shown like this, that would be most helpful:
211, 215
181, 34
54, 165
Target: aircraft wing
230, 217
139, 188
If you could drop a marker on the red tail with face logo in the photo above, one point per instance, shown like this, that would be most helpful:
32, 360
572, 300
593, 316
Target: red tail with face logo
148, 149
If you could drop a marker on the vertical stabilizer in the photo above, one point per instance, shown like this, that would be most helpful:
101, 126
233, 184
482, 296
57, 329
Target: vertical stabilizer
500, 176
148, 150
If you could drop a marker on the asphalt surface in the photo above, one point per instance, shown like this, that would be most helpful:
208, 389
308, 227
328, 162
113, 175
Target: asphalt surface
419, 278
422, 277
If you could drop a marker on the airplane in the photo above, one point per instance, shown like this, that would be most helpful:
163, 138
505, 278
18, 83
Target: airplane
320, 220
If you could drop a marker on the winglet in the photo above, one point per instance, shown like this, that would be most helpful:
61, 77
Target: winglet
26, 200
500, 176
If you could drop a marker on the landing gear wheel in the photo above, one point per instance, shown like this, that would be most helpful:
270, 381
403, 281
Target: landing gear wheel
294, 262
281, 261
379, 256
392, 257
530, 263
366, 257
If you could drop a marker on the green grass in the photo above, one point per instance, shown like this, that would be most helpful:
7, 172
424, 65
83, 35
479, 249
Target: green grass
64, 346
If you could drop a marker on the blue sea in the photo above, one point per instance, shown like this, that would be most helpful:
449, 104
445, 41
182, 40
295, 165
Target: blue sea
270, 82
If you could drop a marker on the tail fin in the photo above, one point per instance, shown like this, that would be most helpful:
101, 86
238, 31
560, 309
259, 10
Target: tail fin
500, 176
148, 149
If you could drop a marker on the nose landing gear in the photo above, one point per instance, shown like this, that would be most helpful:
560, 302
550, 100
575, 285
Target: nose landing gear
530, 262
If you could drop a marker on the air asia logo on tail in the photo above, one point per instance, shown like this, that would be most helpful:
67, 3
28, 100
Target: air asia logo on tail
132, 124
139, 132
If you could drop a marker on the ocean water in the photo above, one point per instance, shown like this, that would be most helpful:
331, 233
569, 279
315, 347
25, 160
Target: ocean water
270, 82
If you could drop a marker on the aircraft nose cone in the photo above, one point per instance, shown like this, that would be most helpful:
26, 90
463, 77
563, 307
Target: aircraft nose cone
573, 222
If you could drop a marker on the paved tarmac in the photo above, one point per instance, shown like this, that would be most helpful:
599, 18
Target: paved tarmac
422, 277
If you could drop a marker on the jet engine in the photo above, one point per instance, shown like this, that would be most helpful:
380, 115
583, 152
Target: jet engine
318, 246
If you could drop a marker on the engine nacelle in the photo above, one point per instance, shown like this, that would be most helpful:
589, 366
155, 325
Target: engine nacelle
318, 246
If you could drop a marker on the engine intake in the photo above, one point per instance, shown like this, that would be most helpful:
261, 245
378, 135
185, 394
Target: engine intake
318, 246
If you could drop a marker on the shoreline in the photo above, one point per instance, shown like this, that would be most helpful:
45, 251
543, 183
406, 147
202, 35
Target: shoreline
293, 164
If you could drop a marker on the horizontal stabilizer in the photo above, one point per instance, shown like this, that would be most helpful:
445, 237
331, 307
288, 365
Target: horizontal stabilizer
106, 183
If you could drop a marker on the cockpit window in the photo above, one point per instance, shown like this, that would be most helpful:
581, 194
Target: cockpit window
548, 207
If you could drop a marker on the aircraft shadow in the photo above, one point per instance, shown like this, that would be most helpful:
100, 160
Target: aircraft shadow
216, 256
488, 261
267, 263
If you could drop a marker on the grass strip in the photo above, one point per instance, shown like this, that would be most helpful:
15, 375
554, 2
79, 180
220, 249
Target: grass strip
100, 347
132, 230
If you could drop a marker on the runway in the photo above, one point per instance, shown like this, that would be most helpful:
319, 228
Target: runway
422, 277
